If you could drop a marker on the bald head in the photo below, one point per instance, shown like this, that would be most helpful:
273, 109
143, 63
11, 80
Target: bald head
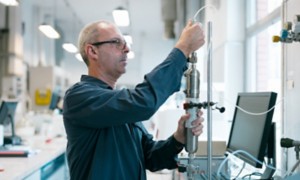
90, 33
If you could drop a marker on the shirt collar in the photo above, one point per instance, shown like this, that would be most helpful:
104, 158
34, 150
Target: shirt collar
91, 79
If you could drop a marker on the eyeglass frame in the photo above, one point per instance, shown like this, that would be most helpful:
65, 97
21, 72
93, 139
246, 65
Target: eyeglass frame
118, 42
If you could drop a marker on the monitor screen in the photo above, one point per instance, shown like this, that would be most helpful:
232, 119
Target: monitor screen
55, 99
7, 111
250, 131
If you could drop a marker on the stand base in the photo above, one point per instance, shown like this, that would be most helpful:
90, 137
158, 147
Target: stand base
12, 140
268, 173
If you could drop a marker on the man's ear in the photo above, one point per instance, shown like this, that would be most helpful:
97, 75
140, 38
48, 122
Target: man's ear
91, 52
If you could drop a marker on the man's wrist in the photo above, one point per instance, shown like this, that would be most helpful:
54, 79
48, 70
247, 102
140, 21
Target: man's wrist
183, 49
179, 143
179, 138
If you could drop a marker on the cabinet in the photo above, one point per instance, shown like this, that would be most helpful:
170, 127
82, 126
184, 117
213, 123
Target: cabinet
43, 81
55, 169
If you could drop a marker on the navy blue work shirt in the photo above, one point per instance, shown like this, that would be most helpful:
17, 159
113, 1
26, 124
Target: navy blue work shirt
106, 138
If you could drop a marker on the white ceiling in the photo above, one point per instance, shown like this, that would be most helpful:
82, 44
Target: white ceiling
146, 28
72, 15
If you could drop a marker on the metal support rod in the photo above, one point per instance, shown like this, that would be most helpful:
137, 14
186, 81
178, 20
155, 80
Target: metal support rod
294, 168
209, 100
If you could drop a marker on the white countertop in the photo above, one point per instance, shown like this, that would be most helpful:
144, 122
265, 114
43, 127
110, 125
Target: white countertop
18, 168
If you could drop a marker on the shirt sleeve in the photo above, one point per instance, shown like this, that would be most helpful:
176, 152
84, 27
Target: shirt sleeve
162, 154
95, 107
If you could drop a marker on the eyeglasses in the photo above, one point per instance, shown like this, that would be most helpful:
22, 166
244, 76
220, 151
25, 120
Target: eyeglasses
120, 44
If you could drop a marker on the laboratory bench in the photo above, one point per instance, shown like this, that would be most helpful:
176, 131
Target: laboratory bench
46, 162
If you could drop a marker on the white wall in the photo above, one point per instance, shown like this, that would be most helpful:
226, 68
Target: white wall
291, 73
228, 31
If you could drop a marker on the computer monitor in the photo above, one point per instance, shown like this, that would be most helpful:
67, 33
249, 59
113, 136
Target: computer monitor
252, 132
56, 102
7, 114
55, 99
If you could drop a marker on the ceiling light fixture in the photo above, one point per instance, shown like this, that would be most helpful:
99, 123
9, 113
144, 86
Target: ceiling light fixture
70, 47
49, 31
121, 17
131, 55
128, 39
79, 57
9, 2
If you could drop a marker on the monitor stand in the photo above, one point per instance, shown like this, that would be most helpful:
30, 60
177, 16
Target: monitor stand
271, 154
12, 140
269, 172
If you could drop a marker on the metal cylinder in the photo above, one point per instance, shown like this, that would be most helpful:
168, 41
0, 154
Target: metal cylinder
192, 82
191, 141
192, 95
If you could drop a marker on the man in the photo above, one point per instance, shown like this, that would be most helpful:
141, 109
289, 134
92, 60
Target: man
106, 137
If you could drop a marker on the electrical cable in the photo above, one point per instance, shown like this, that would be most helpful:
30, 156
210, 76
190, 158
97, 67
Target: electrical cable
202, 8
261, 113
246, 153
252, 174
241, 170
252, 113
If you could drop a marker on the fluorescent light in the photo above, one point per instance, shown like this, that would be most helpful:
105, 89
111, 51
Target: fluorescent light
70, 47
49, 31
9, 2
78, 56
130, 55
128, 39
121, 17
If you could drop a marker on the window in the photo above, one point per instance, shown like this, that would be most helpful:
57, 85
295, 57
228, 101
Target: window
263, 56
268, 56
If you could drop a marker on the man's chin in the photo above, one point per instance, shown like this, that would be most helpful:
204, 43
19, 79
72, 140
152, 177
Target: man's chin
123, 71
